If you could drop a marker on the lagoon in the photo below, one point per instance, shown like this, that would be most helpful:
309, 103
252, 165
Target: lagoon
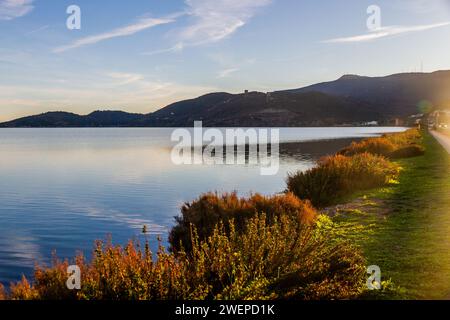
61, 189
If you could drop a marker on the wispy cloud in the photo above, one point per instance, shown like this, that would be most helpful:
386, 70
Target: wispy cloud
139, 26
125, 78
227, 72
214, 20
176, 48
211, 21
38, 30
11, 9
228, 64
387, 32
108, 90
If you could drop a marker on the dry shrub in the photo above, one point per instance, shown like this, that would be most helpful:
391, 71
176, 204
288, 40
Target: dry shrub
338, 176
209, 209
49, 283
2, 292
395, 146
133, 273
378, 146
23, 290
114, 273
281, 259
408, 152
403, 139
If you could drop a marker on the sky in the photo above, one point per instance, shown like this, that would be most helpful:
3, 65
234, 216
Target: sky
141, 55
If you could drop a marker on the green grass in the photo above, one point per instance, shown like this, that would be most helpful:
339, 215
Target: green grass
411, 243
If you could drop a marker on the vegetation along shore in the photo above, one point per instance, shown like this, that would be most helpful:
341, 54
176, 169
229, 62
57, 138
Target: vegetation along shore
380, 201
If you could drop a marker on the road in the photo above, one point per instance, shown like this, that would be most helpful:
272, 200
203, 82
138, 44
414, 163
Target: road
443, 139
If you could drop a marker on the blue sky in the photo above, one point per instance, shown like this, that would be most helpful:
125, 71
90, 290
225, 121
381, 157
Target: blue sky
141, 55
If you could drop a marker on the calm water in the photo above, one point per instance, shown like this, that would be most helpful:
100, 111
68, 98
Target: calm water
61, 189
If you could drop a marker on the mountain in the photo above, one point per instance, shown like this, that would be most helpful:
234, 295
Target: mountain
350, 100
397, 95
256, 109
253, 109
66, 119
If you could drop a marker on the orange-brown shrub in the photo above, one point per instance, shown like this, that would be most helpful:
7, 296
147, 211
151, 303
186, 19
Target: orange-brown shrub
394, 146
403, 139
209, 209
2, 292
24, 290
338, 176
378, 146
114, 273
408, 152
281, 259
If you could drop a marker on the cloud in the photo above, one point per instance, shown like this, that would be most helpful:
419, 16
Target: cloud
176, 48
229, 64
214, 20
211, 21
387, 32
109, 90
227, 72
141, 25
38, 30
125, 78
11, 9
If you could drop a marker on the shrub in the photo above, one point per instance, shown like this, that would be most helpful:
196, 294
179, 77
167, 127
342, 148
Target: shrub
281, 259
338, 176
208, 210
114, 273
403, 139
408, 152
394, 146
2, 292
378, 146
24, 291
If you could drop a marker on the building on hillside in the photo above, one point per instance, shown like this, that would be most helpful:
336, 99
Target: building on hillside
371, 124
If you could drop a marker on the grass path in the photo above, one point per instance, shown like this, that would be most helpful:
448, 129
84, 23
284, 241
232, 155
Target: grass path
411, 241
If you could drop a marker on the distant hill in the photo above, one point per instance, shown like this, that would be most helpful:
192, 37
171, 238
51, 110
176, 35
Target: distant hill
256, 109
65, 119
350, 100
397, 95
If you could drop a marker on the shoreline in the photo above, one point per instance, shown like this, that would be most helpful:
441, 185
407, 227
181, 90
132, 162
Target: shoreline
339, 223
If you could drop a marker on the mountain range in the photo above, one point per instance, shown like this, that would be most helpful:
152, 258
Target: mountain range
350, 100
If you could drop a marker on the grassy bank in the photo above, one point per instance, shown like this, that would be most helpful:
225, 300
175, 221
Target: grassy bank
409, 226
